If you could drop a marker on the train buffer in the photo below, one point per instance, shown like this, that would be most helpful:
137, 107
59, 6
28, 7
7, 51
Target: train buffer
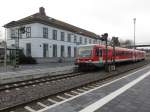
129, 93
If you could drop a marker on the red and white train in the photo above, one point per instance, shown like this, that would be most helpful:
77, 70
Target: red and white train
94, 55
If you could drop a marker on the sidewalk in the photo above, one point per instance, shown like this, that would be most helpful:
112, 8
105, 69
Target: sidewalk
26, 72
34, 66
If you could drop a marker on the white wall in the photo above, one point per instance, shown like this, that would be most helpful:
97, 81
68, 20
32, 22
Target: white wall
37, 40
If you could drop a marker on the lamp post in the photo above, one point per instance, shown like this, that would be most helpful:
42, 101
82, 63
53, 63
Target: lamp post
5, 51
114, 54
134, 21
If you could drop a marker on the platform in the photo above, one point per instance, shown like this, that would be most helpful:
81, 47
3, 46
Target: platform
8, 77
129, 93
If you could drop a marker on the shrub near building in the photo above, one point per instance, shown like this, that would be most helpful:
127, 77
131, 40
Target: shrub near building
26, 59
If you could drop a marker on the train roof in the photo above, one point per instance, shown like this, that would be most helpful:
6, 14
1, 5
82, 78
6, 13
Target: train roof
110, 47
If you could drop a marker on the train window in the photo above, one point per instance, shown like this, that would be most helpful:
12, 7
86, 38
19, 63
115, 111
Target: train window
85, 51
98, 52
117, 53
123, 53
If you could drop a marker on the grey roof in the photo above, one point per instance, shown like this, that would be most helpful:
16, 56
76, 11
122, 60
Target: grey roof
41, 17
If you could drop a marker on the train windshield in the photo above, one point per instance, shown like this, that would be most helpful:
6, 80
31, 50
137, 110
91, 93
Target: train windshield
85, 51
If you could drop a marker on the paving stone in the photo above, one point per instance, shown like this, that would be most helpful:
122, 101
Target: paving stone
8, 77
131, 100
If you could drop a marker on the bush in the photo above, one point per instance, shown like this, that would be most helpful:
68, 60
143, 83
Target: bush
26, 60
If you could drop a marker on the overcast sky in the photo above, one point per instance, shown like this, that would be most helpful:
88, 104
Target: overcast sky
99, 16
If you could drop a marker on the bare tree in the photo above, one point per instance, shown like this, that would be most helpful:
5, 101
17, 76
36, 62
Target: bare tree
115, 41
126, 43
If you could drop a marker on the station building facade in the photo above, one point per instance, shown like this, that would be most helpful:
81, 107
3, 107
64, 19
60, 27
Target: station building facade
48, 39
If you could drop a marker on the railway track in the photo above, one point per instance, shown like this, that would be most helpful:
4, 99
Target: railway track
58, 98
14, 85
51, 101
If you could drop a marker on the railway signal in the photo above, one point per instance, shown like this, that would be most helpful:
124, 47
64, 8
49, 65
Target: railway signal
104, 37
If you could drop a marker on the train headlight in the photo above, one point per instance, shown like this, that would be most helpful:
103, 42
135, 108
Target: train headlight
90, 61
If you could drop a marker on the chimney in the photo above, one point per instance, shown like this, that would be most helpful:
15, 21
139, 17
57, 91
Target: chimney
42, 11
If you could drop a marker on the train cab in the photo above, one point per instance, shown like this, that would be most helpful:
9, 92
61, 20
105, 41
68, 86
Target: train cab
89, 56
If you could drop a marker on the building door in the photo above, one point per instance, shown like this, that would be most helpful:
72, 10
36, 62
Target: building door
62, 51
75, 51
28, 49
54, 50
45, 50
69, 51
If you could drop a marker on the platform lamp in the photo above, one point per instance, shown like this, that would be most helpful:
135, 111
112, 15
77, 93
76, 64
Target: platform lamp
134, 20
5, 51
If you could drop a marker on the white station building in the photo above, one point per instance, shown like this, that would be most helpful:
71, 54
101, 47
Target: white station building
48, 39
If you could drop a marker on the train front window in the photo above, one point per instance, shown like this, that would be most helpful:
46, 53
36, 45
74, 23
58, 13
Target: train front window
85, 51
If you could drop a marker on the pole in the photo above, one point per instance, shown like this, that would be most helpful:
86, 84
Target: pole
17, 49
134, 20
114, 53
5, 51
106, 56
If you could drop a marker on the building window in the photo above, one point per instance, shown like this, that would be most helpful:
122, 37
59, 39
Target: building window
28, 49
45, 50
62, 51
85, 40
94, 41
12, 33
20, 34
75, 51
54, 50
45, 32
28, 32
90, 41
54, 34
69, 51
69, 38
62, 36
80, 40
75, 39
99, 41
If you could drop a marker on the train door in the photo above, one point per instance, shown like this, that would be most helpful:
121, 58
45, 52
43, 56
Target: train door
99, 55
